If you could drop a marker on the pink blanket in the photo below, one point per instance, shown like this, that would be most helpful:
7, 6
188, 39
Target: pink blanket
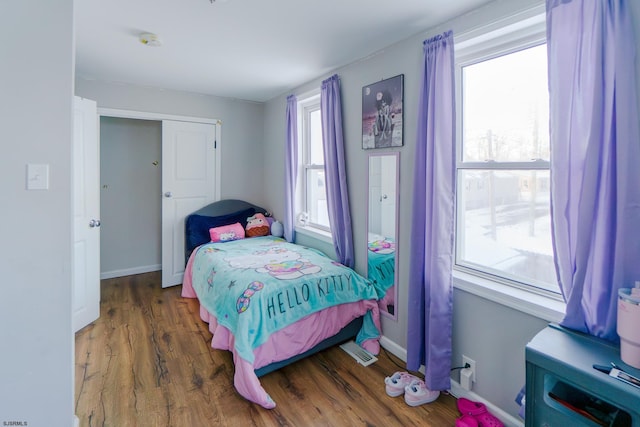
287, 342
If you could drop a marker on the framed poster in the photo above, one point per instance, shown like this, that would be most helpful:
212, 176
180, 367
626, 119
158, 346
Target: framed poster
382, 113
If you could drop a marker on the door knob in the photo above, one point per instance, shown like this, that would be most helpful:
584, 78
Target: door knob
167, 194
94, 223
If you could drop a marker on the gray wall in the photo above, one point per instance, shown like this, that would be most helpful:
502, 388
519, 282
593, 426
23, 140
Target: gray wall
36, 87
242, 126
130, 196
493, 334
37, 368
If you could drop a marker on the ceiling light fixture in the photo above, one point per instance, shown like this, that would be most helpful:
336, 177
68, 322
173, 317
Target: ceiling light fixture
150, 39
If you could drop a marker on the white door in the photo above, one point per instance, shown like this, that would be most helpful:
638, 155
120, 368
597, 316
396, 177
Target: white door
188, 183
86, 214
388, 198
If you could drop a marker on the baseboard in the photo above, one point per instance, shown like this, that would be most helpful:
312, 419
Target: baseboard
456, 390
393, 348
130, 271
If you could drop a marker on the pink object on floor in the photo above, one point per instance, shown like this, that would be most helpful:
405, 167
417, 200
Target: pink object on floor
466, 421
479, 412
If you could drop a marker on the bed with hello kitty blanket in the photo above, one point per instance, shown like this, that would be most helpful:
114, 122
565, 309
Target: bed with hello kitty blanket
271, 302
381, 267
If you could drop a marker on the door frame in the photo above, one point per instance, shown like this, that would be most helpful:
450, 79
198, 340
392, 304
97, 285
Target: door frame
141, 115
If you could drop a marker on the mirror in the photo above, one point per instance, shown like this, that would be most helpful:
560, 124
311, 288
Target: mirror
382, 228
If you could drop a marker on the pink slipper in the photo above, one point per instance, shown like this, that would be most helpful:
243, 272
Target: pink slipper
478, 411
396, 383
466, 421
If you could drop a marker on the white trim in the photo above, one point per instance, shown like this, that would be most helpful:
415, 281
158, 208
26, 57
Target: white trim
512, 22
516, 32
306, 107
519, 35
315, 233
306, 96
393, 348
543, 307
76, 421
142, 115
218, 160
130, 271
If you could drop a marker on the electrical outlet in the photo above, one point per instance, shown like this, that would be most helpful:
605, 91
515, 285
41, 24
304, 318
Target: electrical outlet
472, 366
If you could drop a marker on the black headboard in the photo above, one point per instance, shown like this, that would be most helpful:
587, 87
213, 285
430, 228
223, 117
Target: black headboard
216, 214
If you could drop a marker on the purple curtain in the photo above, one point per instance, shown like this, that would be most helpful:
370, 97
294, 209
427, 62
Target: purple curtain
335, 171
595, 173
430, 274
291, 168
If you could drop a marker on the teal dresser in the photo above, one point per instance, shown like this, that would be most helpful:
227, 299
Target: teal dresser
564, 390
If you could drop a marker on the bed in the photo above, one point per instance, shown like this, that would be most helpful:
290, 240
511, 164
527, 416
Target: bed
267, 301
381, 263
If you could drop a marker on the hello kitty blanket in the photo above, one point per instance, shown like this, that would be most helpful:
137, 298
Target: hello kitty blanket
256, 287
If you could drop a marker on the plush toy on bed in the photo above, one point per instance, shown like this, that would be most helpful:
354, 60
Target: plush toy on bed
257, 225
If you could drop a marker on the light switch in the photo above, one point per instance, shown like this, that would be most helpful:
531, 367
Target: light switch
37, 177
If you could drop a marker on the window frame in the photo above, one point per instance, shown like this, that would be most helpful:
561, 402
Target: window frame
307, 104
479, 46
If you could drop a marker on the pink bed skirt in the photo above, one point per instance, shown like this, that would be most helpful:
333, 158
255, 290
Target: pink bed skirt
287, 342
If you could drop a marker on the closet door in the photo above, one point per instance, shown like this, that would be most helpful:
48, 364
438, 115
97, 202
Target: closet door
188, 183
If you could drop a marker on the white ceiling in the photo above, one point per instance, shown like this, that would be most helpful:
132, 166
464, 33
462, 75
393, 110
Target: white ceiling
246, 49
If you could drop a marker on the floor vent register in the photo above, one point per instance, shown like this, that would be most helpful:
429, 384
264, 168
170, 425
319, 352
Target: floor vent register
361, 355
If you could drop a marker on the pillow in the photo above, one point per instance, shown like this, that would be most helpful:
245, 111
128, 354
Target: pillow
257, 225
227, 233
197, 227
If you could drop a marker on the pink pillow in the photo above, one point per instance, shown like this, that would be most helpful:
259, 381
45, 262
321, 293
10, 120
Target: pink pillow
226, 233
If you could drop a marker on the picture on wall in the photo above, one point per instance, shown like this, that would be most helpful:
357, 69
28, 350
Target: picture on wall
382, 108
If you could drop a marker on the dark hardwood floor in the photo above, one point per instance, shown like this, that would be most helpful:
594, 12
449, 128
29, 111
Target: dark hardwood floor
147, 361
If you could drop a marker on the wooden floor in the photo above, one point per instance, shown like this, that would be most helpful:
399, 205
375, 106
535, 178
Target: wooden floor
147, 361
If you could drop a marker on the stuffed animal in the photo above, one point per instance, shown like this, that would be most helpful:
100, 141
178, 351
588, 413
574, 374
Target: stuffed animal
277, 229
257, 225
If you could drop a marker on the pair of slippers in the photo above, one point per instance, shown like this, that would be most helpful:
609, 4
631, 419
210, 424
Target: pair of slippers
414, 389
475, 414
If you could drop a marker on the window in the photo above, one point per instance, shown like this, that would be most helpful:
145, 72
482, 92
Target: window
503, 223
313, 200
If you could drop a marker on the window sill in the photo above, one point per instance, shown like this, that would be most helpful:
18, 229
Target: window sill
540, 306
315, 233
